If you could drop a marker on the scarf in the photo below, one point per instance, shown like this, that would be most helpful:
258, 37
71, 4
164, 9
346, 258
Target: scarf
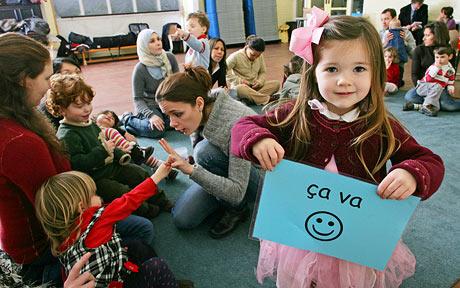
158, 66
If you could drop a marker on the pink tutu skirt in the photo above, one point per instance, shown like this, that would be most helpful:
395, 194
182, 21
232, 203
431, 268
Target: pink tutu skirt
296, 268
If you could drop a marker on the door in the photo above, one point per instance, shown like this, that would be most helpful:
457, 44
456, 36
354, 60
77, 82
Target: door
337, 7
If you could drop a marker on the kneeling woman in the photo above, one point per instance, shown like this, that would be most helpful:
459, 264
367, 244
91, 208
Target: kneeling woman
220, 180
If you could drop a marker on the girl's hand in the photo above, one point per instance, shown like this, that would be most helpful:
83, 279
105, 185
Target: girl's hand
157, 122
398, 184
162, 171
268, 152
77, 280
175, 160
130, 137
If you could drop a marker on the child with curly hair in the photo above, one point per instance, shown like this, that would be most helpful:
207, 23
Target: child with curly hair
89, 151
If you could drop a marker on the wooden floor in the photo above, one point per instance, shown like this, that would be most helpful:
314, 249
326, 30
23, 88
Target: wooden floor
112, 80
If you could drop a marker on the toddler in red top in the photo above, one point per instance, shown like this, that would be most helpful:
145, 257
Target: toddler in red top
76, 222
339, 123
391, 57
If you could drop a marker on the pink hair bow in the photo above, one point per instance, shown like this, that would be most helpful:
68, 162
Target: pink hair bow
303, 37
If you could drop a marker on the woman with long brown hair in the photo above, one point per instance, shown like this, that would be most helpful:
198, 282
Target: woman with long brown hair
221, 180
29, 154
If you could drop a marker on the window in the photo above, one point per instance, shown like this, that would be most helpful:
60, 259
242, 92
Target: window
73, 8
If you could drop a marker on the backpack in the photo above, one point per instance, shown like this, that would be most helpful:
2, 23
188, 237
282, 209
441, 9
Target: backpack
65, 50
136, 28
80, 39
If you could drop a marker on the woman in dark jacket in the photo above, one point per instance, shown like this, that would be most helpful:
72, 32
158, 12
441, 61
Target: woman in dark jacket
217, 65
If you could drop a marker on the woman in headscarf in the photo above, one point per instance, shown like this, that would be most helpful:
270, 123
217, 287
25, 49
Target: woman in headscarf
154, 66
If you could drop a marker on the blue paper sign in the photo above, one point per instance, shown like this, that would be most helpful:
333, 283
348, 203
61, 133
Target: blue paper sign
313, 209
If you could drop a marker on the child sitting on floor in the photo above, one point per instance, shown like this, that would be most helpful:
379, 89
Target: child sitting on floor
76, 222
439, 76
391, 64
87, 147
292, 77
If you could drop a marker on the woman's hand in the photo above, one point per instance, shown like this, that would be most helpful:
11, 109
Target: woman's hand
398, 184
268, 152
157, 123
130, 137
162, 171
175, 160
77, 280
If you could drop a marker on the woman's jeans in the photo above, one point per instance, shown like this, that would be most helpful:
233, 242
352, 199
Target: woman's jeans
139, 125
195, 204
446, 102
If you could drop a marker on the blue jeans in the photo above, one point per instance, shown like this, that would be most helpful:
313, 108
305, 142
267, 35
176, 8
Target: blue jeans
139, 125
44, 269
446, 102
195, 204
47, 268
136, 228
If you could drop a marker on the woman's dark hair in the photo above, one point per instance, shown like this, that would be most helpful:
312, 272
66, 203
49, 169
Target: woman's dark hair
57, 63
441, 33
186, 86
449, 11
223, 62
22, 57
255, 43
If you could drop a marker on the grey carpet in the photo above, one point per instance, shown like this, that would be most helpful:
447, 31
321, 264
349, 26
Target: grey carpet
433, 234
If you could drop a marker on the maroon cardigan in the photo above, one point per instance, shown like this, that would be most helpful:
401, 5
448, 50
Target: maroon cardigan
25, 163
331, 137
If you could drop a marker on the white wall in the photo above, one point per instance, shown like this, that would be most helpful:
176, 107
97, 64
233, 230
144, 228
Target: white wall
97, 26
373, 8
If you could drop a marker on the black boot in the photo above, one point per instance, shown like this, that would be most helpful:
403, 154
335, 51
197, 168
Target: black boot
228, 222
139, 154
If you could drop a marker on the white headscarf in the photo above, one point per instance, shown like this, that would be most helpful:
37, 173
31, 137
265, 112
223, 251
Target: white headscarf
157, 65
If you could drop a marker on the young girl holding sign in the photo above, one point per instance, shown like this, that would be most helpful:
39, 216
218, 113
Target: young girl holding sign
340, 102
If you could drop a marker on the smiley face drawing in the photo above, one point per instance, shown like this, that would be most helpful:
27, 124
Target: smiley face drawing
324, 226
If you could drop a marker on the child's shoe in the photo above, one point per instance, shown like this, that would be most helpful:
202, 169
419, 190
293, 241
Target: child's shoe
161, 201
140, 155
152, 212
172, 175
429, 110
409, 106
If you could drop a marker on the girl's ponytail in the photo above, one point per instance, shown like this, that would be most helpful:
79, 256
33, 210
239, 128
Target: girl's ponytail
186, 86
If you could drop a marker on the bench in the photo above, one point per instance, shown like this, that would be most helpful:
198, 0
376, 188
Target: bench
108, 54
